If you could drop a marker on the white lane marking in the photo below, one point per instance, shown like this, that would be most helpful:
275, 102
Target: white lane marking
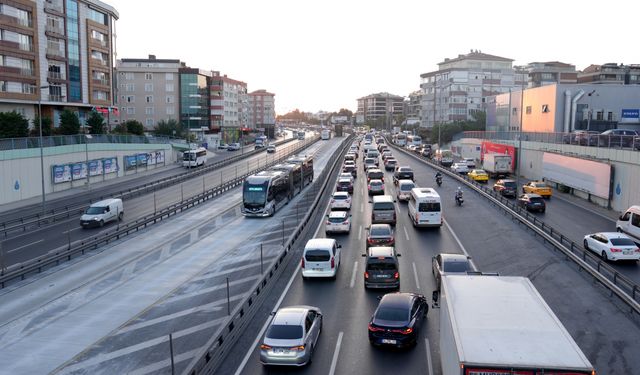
406, 234
359, 232
455, 237
429, 364
334, 361
71, 230
353, 275
415, 273
361, 207
23, 246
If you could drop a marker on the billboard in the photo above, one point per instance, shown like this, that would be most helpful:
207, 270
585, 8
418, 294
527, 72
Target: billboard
586, 175
130, 162
61, 173
497, 148
110, 165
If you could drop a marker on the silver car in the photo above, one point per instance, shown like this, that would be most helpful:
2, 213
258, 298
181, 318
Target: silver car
292, 336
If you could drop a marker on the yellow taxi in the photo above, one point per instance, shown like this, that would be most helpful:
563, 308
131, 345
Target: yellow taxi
478, 175
537, 187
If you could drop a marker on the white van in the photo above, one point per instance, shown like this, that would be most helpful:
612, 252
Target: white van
629, 223
425, 208
102, 212
320, 258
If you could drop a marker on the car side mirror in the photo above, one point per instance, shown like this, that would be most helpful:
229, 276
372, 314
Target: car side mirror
370, 201
364, 255
339, 246
398, 254
367, 228
435, 295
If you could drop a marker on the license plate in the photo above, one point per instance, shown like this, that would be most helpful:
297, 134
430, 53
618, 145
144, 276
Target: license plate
280, 351
388, 341
317, 269
383, 276
627, 252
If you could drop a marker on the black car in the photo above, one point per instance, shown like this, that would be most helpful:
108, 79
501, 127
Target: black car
402, 173
506, 187
382, 269
398, 319
532, 202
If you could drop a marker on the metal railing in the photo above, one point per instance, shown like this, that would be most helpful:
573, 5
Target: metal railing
38, 220
589, 139
216, 349
65, 140
623, 287
80, 247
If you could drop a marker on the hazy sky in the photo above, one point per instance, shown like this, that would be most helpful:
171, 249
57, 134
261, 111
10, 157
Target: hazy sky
324, 54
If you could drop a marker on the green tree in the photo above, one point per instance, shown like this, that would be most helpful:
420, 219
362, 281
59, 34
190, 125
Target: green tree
47, 126
13, 125
69, 123
168, 127
345, 112
96, 123
134, 127
120, 129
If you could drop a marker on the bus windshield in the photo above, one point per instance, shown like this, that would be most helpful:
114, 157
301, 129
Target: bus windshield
254, 194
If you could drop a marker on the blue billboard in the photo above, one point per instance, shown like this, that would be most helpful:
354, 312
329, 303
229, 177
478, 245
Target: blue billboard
631, 113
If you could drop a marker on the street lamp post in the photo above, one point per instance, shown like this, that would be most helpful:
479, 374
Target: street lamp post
590, 112
520, 137
87, 137
41, 141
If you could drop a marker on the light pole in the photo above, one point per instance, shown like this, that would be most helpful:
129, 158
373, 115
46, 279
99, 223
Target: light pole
590, 112
41, 146
520, 135
87, 137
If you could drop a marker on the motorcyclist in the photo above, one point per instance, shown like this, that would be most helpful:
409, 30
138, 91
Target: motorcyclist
458, 193
438, 175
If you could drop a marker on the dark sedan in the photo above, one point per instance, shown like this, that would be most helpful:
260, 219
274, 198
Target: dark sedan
532, 202
398, 319
506, 187
380, 235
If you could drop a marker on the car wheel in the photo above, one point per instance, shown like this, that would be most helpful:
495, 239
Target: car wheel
604, 256
586, 245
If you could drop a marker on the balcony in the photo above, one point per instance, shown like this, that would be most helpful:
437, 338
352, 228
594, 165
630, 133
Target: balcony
27, 72
55, 97
56, 75
100, 81
55, 52
99, 61
54, 29
56, 7
26, 47
102, 43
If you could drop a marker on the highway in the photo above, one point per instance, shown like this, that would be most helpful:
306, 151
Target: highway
112, 312
496, 243
20, 248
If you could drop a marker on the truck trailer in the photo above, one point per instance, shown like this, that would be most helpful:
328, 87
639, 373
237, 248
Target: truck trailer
499, 325
497, 165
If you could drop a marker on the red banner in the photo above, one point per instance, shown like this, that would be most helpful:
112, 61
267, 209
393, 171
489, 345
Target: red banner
498, 148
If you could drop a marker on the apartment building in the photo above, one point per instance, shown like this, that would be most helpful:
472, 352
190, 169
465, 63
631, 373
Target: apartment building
57, 52
611, 73
548, 73
195, 99
413, 108
148, 90
229, 102
380, 107
462, 85
261, 108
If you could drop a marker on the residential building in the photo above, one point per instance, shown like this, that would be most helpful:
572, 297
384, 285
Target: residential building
195, 103
547, 73
229, 102
57, 52
261, 109
148, 90
380, 108
611, 73
566, 107
462, 85
413, 108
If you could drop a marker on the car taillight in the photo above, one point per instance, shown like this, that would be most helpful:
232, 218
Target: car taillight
407, 331
333, 200
416, 217
396, 275
373, 328
302, 263
333, 262
369, 186
298, 348
366, 274
368, 179
614, 250
392, 239
265, 347
637, 250
346, 222
382, 179
370, 241
328, 223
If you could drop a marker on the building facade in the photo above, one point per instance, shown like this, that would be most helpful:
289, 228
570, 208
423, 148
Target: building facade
59, 53
462, 85
148, 90
566, 107
229, 102
194, 103
261, 108
611, 73
413, 108
380, 108
548, 73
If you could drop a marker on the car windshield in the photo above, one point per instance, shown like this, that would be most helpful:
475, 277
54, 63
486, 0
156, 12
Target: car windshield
380, 231
254, 193
387, 206
406, 187
340, 197
429, 207
456, 266
376, 175
540, 185
284, 332
375, 183
536, 200
394, 314
344, 182
336, 219
622, 242
95, 210
381, 265
510, 184
317, 255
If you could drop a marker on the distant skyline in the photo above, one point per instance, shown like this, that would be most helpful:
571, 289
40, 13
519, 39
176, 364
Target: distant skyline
323, 55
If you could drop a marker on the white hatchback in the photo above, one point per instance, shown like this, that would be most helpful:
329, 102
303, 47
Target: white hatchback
346, 175
403, 192
340, 200
612, 246
338, 222
460, 168
320, 258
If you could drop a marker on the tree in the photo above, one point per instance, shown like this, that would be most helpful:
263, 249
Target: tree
47, 127
13, 125
120, 129
96, 123
345, 112
134, 127
168, 128
69, 123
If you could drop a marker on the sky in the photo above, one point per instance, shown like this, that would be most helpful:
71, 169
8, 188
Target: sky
325, 54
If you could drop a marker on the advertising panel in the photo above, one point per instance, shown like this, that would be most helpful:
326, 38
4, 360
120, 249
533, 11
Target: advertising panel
160, 157
141, 160
61, 173
497, 148
129, 162
589, 176
78, 171
151, 158
484, 371
95, 167
110, 165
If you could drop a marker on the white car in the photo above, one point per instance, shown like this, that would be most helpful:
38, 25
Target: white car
460, 168
340, 200
346, 175
338, 222
612, 246
233, 147
471, 162
403, 192
320, 258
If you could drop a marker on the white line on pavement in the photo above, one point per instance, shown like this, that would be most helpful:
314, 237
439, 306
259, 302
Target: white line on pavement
429, 364
359, 232
415, 273
353, 275
23, 246
361, 207
334, 361
455, 237
406, 234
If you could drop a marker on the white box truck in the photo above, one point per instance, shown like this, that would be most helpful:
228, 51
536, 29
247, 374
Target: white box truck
495, 325
497, 165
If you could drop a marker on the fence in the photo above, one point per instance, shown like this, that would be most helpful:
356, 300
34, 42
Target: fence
592, 139
79, 139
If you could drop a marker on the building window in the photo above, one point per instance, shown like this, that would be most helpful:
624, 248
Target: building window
131, 110
545, 108
149, 98
170, 111
169, 99
169, 87
149, 122
148, 76
599, 115
168, 76
99, 17
514, 111
528, 110
100, 95
130, 87
148, 110
610, 116
129, 76
148, 87
131, 98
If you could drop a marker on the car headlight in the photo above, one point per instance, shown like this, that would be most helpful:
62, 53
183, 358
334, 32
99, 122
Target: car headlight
95, 218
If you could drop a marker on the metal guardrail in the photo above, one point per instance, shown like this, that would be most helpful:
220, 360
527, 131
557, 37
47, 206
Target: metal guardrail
624, 288
38, 220
79, 139
216, 349
79, 247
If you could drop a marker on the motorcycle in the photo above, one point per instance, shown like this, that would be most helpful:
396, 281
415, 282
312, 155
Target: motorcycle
439, 181
459, 199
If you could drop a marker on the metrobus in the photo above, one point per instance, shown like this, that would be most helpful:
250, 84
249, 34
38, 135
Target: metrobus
415, 140
326, 134
194, 158
300, 135
425, 207
400, 139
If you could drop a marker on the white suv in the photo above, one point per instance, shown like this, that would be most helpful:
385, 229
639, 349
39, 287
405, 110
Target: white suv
320, 258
